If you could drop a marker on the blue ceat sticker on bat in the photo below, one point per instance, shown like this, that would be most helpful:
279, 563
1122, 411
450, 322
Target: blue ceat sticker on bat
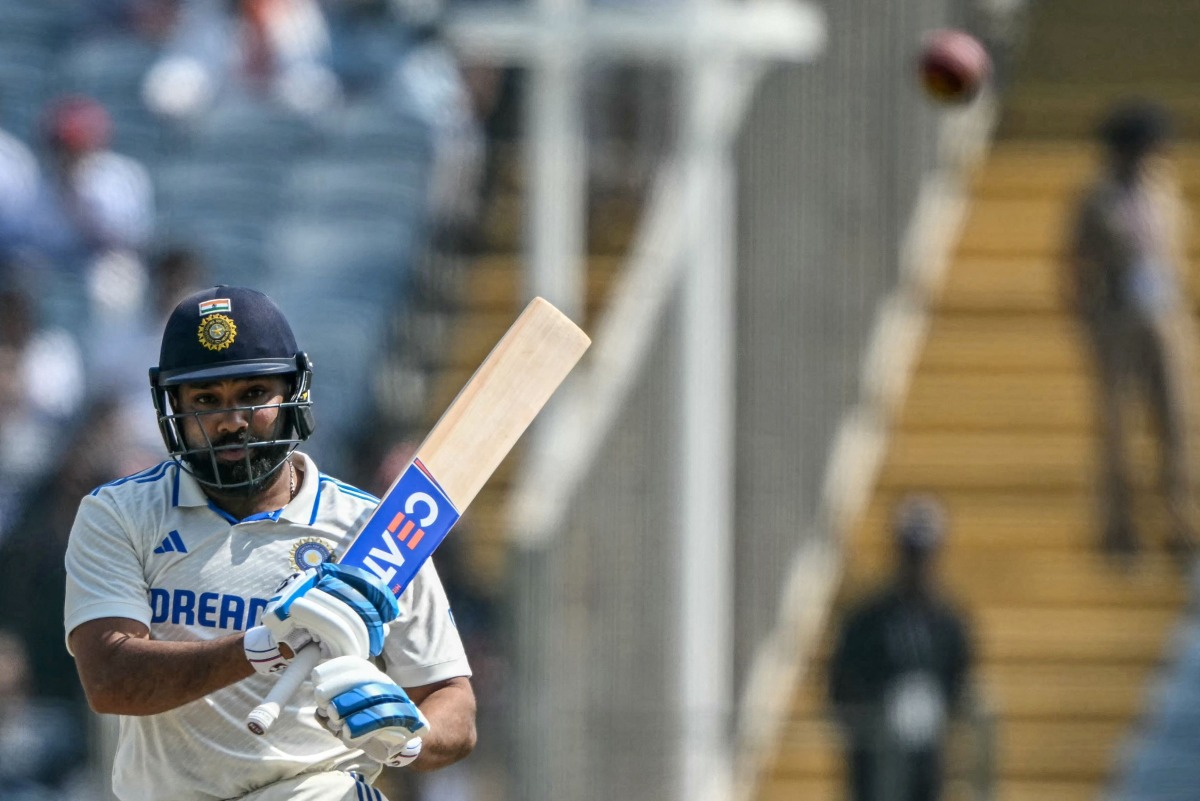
409, 523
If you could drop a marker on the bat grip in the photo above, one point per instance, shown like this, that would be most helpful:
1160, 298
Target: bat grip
264, 715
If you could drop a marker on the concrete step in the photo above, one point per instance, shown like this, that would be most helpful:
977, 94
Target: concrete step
999, 520
1029, 226
611, 224
1000, 401
825, 789
1118, 636
1034, 690
811, 749
1028, 751
496, 282
1010, 460
1015, 226
1050, 402
981, 577
997, 285
1052, 751
1061, 109
1047, 691
1003, 343
1059, 168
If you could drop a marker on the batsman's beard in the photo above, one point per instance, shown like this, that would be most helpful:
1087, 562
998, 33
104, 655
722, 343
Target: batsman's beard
244, 477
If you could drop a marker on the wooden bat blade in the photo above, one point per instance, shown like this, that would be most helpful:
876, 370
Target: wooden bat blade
467, 444
501, 399
464, 448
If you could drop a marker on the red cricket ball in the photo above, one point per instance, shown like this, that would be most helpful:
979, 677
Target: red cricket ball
954, 65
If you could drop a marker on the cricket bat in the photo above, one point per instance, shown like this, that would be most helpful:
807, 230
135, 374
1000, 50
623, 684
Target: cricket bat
452, 464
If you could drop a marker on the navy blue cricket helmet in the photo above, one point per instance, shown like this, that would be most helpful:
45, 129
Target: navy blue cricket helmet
221, 333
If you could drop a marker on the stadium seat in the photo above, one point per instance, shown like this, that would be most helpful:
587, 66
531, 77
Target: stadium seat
137, 132
108, 68
350, 188
218, 190
245, 132
46, 22
368, 130
346, 341
63, 302
371, 258
24, 87
232, 251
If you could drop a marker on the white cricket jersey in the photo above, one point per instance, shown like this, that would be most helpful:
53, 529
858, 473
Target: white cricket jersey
152, 548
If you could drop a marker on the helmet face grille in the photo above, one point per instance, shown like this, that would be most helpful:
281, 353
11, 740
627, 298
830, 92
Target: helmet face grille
261, 458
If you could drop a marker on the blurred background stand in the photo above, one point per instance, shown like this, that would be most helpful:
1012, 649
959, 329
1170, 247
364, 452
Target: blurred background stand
720, 50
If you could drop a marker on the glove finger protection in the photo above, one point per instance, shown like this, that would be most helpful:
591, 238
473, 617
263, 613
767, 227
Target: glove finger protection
367, 710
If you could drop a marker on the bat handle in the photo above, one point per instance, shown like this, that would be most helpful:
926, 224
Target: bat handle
263, 716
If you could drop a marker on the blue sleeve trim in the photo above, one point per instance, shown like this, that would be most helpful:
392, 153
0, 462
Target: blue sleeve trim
145, 476
350, 489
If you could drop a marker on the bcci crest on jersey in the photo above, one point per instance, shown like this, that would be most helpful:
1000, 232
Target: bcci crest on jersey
409, 523
310, 552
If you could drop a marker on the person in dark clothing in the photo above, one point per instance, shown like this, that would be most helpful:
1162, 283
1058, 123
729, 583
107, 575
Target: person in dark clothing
900, 669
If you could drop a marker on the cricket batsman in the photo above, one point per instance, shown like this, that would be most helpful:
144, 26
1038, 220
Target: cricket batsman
191, 584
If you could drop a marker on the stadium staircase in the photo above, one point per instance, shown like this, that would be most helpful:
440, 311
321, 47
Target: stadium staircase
999, 420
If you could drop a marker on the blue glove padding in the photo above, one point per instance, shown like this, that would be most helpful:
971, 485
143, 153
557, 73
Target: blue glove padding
369, 707
325, 601
367, 710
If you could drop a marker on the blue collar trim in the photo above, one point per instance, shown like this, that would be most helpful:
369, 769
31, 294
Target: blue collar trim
233, 521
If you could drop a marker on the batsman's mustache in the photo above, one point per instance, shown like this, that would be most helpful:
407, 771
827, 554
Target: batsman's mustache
235, 441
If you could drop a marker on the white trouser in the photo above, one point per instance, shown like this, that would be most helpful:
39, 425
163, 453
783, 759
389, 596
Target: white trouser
331, 786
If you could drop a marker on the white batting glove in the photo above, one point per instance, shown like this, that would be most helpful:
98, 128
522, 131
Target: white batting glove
360, 704
262, 649
345, 610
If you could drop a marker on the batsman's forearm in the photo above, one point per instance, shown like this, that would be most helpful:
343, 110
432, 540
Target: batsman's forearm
141, 676
450, 711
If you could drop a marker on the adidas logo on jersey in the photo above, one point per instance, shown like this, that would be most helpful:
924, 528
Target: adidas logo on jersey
172, 543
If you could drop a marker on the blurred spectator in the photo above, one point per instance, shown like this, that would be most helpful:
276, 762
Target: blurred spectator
900, 669
428, 80
276, 49
41, 742
97, 452
119, 352
94, 211
41, 389
151, 20
1125, 274
18, 187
